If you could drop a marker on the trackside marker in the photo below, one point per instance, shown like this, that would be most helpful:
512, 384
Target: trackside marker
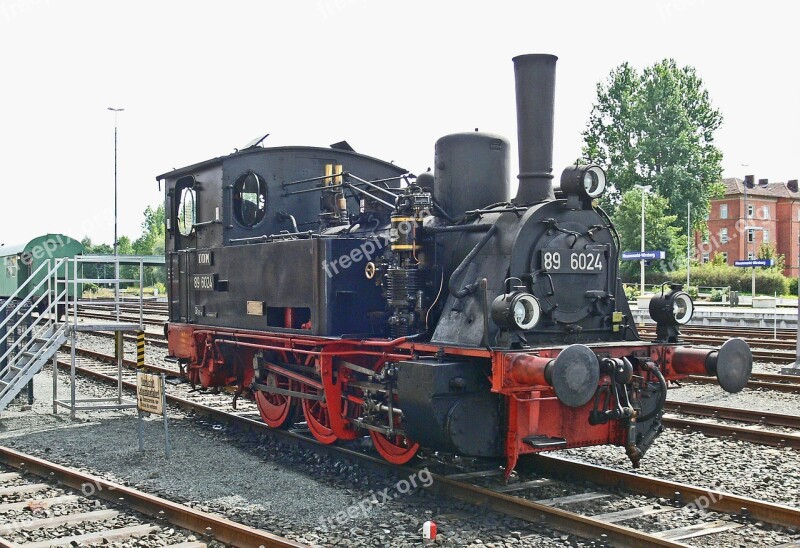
429, 530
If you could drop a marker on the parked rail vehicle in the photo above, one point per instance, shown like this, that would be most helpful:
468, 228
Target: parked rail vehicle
19, 262
427, 311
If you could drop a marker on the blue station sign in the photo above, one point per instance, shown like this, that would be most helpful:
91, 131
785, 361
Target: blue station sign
646, 255
754, 262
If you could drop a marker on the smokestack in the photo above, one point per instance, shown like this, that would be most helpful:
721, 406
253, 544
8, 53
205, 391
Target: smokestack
535, 77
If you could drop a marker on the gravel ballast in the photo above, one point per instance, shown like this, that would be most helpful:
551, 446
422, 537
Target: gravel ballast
253, 479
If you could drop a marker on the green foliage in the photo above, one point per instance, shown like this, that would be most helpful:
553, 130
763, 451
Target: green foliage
631, 291
151, 242
767, 251
693, 292
660, 232
768, 280
718, 294
718, 260
656, 127
792, 286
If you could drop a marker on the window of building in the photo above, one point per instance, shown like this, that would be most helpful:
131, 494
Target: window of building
705, 237
751, 235
249, 199
765, 212
751, 255
723, 211
723, 236
766, 237
705, 258
750, 211
724, 255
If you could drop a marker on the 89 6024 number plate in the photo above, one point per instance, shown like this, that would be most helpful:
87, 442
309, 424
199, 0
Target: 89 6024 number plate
572, 261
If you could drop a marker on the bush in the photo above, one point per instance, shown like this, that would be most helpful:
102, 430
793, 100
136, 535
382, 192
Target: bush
693, 292
162, 289
631, 291
718, 294
768, 281
792, 286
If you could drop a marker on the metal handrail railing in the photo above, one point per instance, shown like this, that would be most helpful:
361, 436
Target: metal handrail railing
23, 284
45, 320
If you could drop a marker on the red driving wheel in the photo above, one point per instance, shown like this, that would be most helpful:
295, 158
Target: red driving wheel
395, 449
317, 417
276, 409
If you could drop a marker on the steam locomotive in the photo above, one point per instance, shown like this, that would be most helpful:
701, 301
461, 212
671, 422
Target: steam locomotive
424, 311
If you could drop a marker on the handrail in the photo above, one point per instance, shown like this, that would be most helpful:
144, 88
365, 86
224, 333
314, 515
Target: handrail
39, 319
44, 321
48, 317
51, 272
23, 284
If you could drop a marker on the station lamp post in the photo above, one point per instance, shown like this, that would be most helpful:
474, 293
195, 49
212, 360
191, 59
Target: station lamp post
116, 241
645, 189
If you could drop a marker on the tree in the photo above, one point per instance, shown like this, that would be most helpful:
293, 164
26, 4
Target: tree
660, 232
657, 128
151, 242
767, 251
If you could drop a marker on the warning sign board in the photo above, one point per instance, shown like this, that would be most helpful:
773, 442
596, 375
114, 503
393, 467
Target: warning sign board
148, 393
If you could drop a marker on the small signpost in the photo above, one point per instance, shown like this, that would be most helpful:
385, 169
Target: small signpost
754, 262
643, 255
150, 395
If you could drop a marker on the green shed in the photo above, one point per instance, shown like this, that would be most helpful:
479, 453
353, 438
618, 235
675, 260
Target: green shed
17, 262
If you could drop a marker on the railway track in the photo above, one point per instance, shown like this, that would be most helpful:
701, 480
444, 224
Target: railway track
757, 332
107, 365
520, 498
123, 318
765, 381
43, 504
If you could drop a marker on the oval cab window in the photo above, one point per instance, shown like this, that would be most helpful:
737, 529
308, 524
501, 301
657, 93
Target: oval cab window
187, 213
249, 199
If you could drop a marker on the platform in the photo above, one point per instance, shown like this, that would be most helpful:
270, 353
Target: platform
733, 316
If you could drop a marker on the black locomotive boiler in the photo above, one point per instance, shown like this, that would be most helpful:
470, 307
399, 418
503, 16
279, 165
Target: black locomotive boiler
428, 311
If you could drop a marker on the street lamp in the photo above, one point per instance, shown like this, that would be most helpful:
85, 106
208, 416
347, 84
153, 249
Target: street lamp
116, 242
645, 189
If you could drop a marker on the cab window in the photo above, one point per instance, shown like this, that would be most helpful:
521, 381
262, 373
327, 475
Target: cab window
249, 199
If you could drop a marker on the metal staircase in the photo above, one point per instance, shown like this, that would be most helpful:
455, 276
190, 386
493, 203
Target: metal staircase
31, 330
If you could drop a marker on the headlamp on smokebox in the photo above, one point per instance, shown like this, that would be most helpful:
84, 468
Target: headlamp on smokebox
516, 311
671, 310
584, 181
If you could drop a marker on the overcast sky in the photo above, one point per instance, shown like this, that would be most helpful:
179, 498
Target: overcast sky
197, 79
